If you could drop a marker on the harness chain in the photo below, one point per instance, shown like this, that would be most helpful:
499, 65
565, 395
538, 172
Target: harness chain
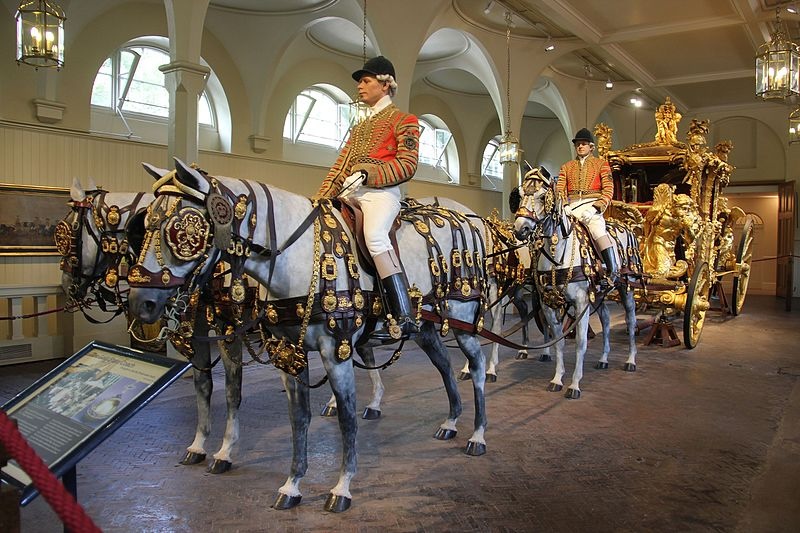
344, 311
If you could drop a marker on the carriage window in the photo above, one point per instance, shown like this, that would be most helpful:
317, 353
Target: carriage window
438, 157
129, 82
320, 115
491, 169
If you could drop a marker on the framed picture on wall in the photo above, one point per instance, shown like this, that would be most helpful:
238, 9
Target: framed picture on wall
28, 218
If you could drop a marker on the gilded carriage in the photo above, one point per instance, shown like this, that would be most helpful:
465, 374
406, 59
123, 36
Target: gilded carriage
670, 193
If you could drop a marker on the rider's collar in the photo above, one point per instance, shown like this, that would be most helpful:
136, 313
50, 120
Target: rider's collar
382, 104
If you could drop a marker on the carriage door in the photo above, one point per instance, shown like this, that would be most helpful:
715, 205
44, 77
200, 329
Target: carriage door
784, 275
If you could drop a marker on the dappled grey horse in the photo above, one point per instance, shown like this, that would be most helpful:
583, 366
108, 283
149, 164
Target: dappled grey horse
567, 271
320, 294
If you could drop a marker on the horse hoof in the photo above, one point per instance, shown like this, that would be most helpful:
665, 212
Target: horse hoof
445, 434
544, 358
629, 367
464, 376
522, 355
219, 466
371, 414
329, 410
337, 504
601, 365
475, 448
554, 387
193, 458
573, 394
491, 378
284, 501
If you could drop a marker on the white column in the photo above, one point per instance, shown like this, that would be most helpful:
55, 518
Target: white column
185, 82
185, 76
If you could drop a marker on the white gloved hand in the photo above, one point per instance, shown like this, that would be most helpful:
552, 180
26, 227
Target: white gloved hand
352, 183
567, 209
587, 215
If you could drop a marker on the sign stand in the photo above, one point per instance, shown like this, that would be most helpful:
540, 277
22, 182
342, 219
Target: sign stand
72, 409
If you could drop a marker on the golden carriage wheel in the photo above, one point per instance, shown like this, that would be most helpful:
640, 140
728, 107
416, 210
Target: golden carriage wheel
694, 314
744, 257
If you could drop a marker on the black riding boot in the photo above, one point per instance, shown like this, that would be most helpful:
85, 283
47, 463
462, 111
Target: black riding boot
612, 267
399, 307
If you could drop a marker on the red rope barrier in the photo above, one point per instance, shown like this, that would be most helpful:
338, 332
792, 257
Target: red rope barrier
63, 503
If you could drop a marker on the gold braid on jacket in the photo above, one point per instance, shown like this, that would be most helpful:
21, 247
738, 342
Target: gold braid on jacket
593, 179
386, 145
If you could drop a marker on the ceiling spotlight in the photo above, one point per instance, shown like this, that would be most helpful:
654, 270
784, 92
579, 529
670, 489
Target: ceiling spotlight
488, 8
609, 84
549, 46
636, 102
792, 9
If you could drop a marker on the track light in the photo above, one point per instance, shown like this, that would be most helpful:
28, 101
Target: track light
636, 102
609, 84
549, 46
488, 8
792, 9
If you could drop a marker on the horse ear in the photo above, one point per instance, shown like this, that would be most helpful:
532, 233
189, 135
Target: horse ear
76, 191
156, 172
191, 177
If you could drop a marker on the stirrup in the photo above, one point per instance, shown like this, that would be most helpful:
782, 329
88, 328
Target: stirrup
393, 332
610, 280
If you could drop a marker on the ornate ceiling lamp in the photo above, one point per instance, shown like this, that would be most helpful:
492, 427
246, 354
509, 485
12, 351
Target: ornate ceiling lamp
778, 65
40, 34
794, 126
509, 145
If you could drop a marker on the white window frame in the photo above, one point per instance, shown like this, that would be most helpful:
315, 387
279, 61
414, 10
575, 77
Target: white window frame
120, 91
296, 122
493, 181
445, 157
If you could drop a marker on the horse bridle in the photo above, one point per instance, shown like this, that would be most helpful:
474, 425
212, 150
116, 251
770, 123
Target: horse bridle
549, 224
110, 250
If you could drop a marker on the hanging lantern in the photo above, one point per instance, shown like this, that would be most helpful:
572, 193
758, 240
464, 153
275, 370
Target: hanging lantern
40, 34
794, 126
509, 145
508, 151
777, 66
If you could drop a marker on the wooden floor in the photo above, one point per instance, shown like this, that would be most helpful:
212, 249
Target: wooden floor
695, 440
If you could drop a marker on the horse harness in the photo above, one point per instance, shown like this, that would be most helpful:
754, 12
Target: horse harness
110, 241
226, 232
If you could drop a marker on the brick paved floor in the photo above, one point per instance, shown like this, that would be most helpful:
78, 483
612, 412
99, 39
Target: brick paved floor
695, 440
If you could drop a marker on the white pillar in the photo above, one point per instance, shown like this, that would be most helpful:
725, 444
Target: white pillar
185, 76
185, 82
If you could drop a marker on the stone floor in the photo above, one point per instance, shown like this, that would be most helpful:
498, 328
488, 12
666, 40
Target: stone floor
695, 440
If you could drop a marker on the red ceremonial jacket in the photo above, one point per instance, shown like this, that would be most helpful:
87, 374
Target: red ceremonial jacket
387, 142
592, 180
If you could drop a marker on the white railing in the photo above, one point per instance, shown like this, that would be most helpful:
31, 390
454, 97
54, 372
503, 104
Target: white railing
39, 337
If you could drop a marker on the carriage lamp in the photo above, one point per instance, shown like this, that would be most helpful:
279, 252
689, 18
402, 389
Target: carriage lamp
40, 34
794, 126
778, 65
509, 145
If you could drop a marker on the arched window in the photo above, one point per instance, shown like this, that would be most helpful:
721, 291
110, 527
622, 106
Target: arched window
130, 97
438, 156
491, 168
320, 115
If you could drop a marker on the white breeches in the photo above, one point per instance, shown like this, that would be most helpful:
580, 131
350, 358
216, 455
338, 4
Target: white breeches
380, 208
584, 211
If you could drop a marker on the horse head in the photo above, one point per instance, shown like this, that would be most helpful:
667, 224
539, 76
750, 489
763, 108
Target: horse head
174, 239
92, 243
539, 201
